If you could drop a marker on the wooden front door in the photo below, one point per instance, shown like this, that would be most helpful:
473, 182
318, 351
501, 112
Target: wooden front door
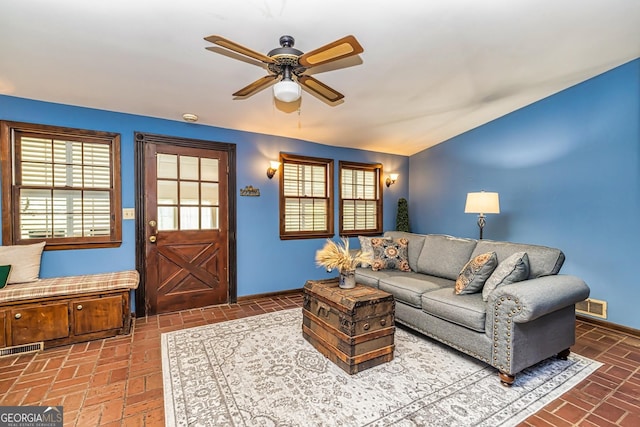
186, 227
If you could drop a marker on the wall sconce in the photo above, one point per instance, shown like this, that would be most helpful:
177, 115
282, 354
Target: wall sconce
391, 179
482, 203
273, 169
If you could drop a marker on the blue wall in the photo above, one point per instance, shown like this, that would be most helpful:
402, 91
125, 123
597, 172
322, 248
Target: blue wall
568, 172
265, 263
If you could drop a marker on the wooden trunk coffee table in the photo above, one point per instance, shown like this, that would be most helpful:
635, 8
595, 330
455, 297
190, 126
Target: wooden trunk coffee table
354, 328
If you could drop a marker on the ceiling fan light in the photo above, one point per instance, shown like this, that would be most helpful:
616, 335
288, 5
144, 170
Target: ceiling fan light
286, 91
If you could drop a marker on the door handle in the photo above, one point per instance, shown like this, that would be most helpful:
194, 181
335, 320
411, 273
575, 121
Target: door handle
154, 231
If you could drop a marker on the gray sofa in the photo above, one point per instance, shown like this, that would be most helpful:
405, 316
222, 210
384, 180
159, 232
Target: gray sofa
518, 326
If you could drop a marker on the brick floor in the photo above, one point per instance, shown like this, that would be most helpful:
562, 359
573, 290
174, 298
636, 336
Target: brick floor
118, 381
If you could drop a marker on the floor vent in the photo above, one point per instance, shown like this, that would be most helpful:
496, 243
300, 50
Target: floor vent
592, 307
21, 349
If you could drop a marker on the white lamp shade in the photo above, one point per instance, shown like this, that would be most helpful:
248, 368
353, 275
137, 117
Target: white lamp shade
286, 91
274, 164
482, 203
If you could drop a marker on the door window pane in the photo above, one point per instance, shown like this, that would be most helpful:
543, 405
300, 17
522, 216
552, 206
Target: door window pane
189, 167
209, 194
167, 218
209, 169
167, 166
209, 218
189, 218
167, 192
189, 193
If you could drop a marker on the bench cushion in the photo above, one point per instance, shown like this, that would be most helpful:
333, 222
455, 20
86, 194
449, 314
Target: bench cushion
71, 285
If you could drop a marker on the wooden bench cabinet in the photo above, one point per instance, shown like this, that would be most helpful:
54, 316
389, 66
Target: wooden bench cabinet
65, 320
66, 310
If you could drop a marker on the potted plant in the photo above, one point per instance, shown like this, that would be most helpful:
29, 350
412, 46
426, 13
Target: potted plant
402, 218
339, 256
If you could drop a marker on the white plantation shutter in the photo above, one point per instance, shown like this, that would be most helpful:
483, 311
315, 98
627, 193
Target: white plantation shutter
64, 188
361, 204
305, 197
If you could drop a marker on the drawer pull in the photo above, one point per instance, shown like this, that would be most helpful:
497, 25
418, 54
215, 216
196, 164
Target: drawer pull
383, 322
79, 307
18, 315
365, 327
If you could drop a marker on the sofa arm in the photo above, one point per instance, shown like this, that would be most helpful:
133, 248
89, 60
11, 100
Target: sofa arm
516, 347
534, 298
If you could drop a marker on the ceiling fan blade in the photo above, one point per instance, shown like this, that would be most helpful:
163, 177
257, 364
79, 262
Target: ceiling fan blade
233, 55
320, 88
221, 41
342, 48
257, 86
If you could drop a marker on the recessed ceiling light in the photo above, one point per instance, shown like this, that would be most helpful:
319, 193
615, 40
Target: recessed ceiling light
188, 117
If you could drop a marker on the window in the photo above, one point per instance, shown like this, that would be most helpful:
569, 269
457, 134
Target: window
360, 199
187, 192
306, 202
60, 185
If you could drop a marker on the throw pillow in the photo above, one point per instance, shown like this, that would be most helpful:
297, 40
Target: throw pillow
4, 275
390, 254
513, 269
24, 261
365, 246
475, 273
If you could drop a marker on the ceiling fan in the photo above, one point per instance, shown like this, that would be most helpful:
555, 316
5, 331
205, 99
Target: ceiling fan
288, 65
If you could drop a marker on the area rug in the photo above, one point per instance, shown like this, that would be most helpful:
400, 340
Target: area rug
260, 371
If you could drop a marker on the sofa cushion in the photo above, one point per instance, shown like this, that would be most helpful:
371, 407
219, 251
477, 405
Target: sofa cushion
444, 256
24, 261
367, 276
416, 242
511, 270
543, 260
465, 310
472, 277
390, 254
409, 288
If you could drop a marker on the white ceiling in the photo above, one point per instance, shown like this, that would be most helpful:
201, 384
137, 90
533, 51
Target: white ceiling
430, 69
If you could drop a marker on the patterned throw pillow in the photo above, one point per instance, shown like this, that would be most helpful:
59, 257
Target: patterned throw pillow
390, 254
365, 246
475, 273
511, 270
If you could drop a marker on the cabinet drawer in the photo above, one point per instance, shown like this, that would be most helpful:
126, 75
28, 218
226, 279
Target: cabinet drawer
39, 323
97, 314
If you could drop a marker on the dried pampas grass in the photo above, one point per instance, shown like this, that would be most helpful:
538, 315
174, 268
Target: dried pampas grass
338, 256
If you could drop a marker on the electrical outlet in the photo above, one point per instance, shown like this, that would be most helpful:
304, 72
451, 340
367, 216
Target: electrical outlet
128, 213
